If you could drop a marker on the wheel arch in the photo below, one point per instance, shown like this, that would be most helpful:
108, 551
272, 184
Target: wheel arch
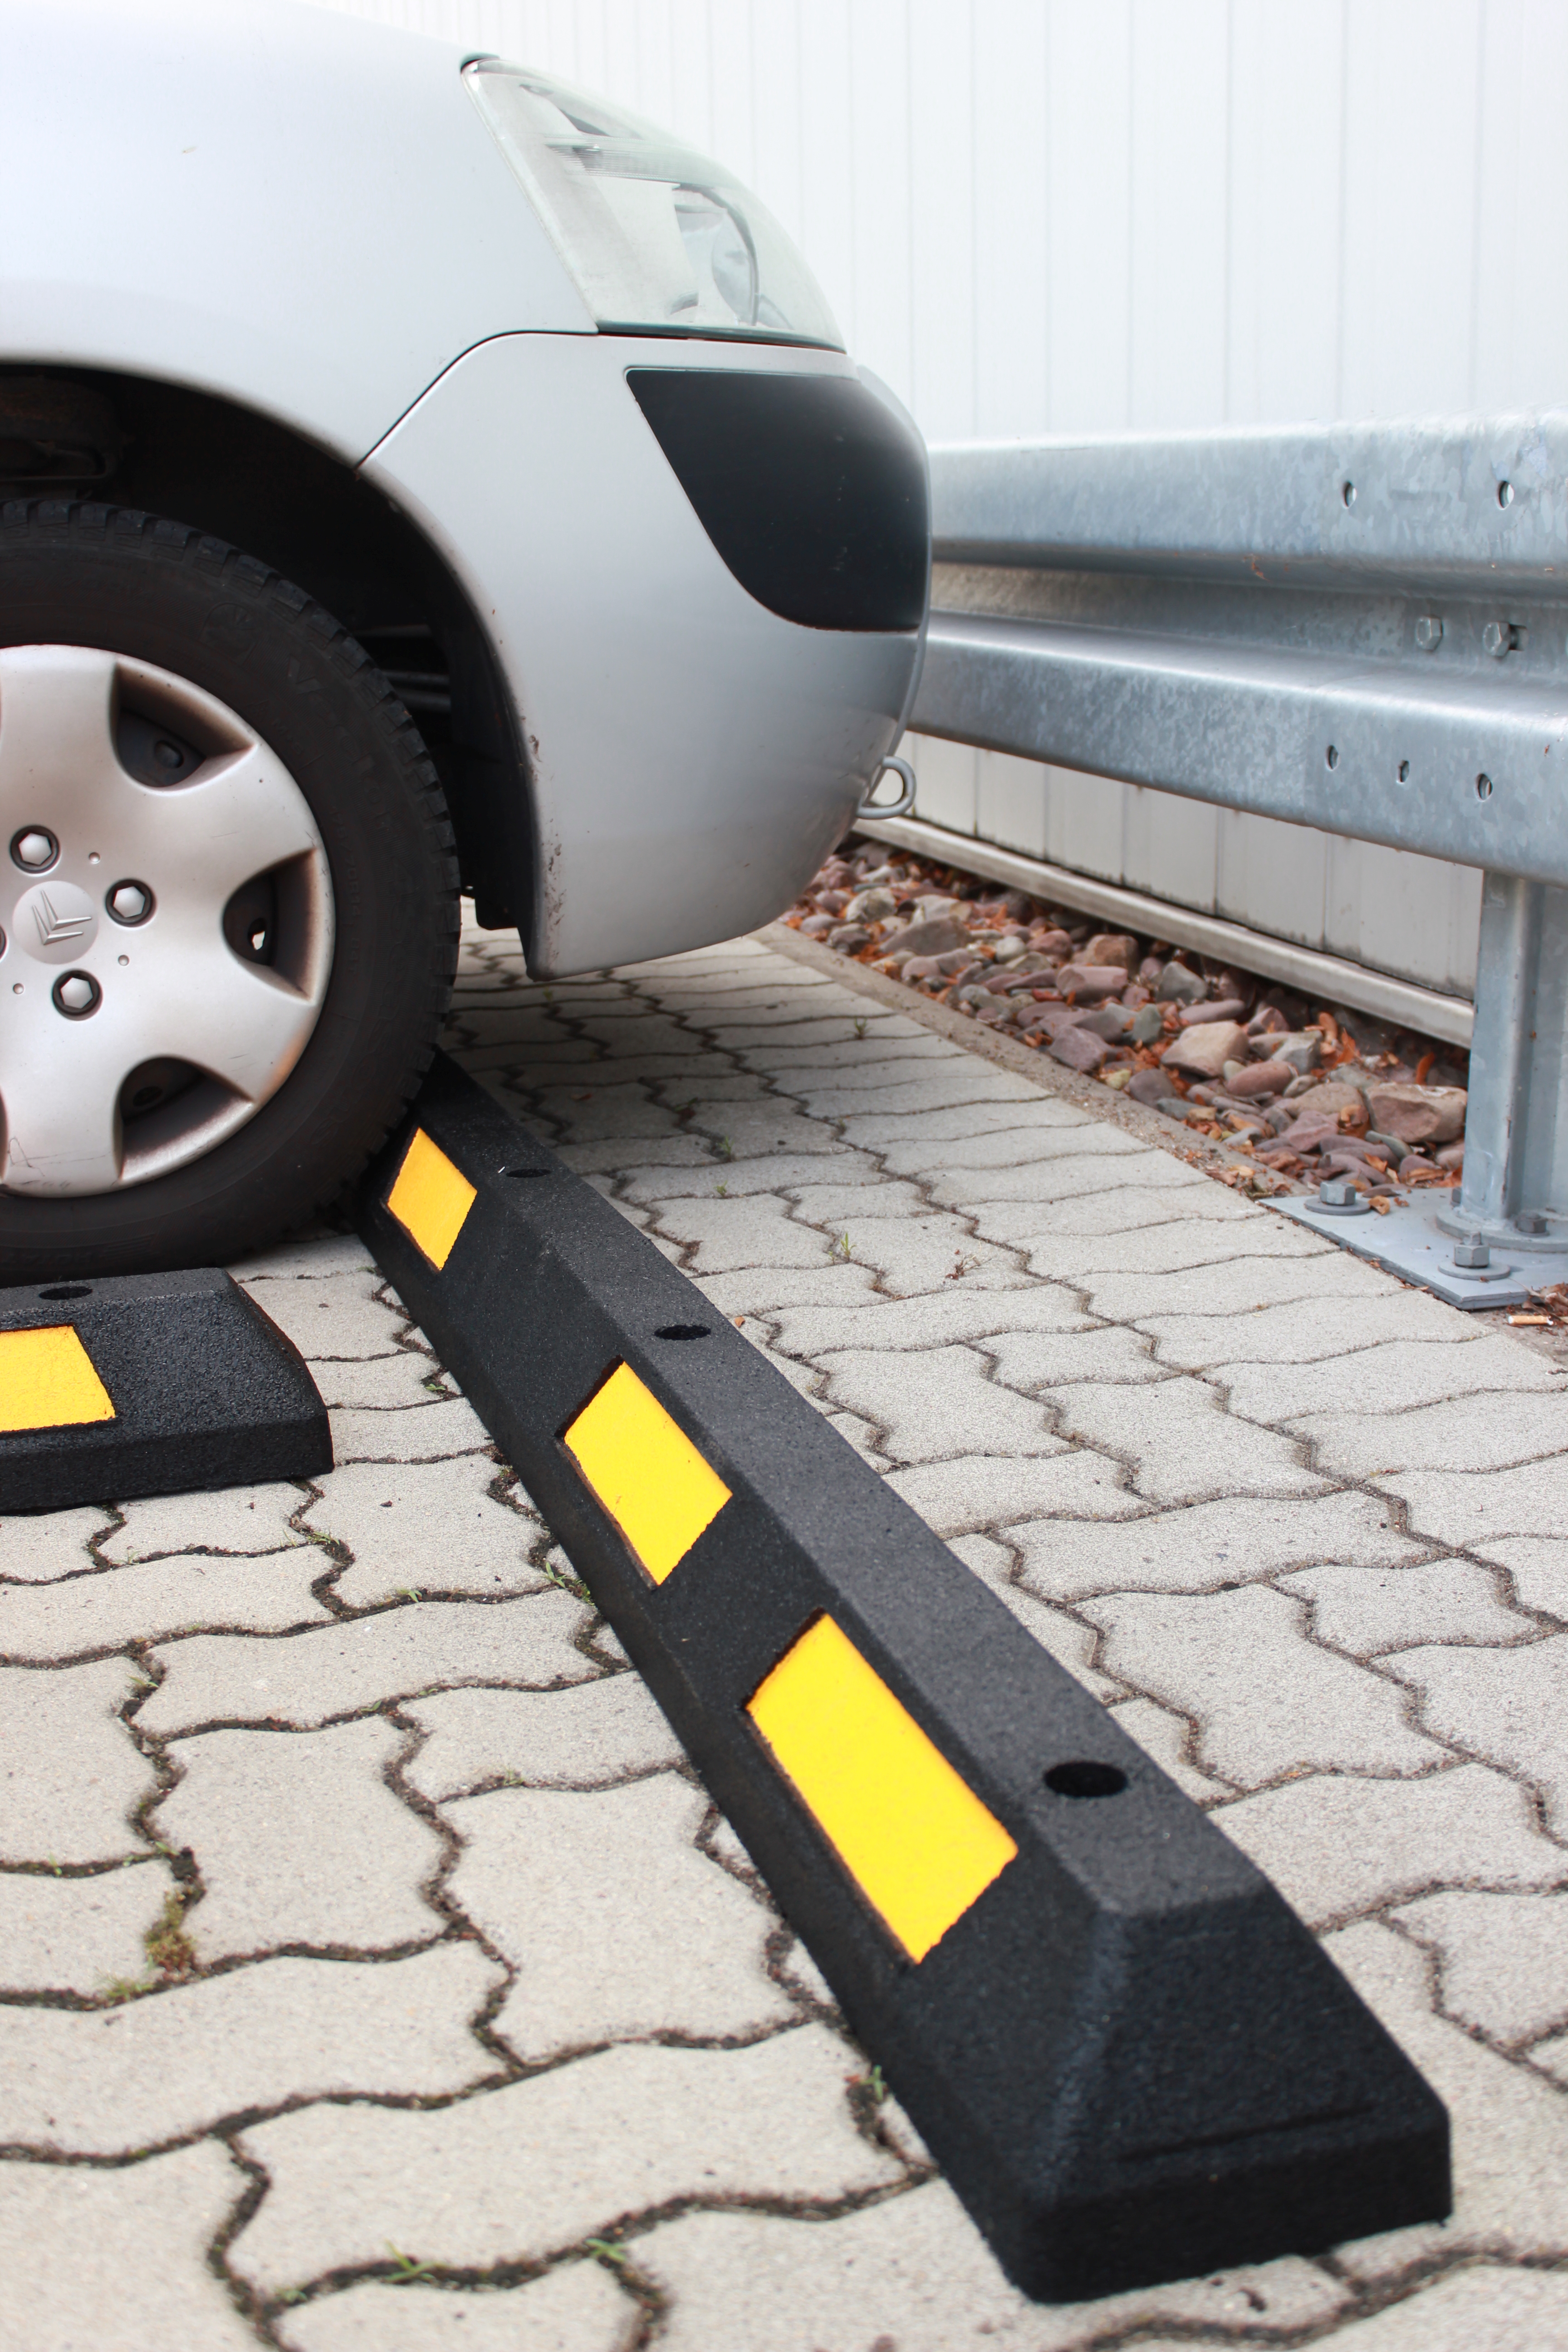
219, 466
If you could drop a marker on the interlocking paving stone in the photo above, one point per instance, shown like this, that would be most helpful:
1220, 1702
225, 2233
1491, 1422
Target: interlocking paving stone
754, 1230
1538, 1567
1115, 1257
113, 2260
36, 1550
649, 1187
1382, 1378
79, 1614
913, 1253
239, 1520
304, 1678
1365, 1611
106, 2081
336, 1316
1489, 2308
1020, 1273
70, 1771
584, 1737
426, 1527
938, 1403
586, 1893
1179, 1443
1467, 1508
576, 2308
1060, 1176
60, 1934
1207, 1545
1510, 2127
978, 1135
1301, 1331
416, 1432
1508, 1705
378, 1384
354, 1880
1247, 1278
955, 1312
1471, 1433
539, 2166
1503, 1958
313, 1261
1552, 2056
769, 1290
1336, 1844
1267, 1700
1038, 1360
914, 2266
976, 1490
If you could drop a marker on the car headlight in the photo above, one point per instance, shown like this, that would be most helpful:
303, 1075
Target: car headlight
658, 239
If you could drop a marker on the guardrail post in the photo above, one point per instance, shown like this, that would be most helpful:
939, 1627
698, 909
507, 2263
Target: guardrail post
1515, 1187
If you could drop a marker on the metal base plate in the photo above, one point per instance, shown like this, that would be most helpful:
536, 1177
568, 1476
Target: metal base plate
1410, 1242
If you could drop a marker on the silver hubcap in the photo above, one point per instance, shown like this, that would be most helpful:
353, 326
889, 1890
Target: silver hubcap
166, 914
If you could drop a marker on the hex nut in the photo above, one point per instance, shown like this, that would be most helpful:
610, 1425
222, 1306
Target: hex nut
76, 995
129, 902
34, 849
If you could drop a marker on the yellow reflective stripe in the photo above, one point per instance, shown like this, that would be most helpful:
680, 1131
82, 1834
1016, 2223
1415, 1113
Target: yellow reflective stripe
913, 1835
47, 1381
430, 1199
646, 1471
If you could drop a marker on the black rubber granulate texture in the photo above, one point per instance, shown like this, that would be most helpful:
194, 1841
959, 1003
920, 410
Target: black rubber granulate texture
207, 1392
74, 573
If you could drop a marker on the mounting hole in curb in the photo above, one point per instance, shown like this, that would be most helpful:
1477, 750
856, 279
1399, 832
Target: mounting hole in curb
1084, 1778
682, 1332
525, 1172
68, 1290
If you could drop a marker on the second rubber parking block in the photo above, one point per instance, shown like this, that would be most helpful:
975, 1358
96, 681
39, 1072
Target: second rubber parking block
149, 1384
1130, 2057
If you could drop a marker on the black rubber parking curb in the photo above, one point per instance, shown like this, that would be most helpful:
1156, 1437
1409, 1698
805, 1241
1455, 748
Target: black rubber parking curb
149, 1384
1128, 2056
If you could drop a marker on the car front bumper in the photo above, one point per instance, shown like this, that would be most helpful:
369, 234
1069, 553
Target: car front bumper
691, 754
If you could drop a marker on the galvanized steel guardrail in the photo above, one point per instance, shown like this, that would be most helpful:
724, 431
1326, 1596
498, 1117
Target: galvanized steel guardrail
1358, 627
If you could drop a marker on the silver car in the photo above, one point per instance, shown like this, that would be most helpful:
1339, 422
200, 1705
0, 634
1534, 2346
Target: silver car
415, 477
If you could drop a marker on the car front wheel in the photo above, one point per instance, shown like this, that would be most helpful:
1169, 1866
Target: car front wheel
228, 898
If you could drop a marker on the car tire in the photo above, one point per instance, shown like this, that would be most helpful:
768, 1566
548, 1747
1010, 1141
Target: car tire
225, 634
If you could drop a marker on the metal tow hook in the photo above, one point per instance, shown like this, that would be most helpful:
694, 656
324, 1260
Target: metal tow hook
906, 800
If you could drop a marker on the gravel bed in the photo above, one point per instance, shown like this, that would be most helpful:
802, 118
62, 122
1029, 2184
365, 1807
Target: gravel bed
1298, 1091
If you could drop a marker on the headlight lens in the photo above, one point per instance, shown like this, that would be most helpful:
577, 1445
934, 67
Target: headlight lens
658, 237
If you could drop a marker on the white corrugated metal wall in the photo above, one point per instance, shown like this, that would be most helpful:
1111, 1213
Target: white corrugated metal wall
1043, 215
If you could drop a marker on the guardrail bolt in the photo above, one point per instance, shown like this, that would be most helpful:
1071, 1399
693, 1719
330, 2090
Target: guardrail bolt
1501, 637
1337, 1192
1428, 633
1472, 1251
1530, 1221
